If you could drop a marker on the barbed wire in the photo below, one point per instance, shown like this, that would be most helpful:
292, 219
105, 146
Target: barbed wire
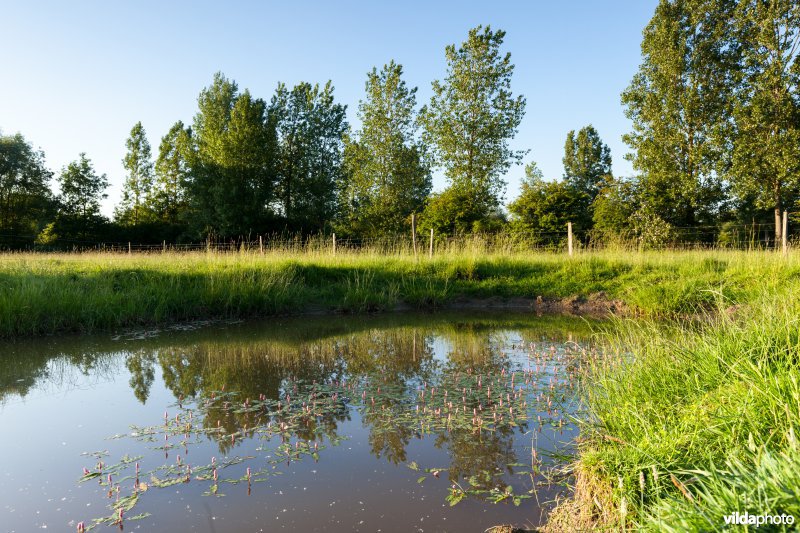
742, 236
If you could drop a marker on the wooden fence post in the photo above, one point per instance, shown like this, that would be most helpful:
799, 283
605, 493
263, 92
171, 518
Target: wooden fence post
430, 246
414, 233
261, 245
784, 241
334, 244
164, 247
129, 247
569, 238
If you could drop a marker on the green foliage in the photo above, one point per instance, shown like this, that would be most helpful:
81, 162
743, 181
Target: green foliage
766, 151
233, 168
168, 201
542, 209
471, 117
310, 128
132, 210
457, 211
79, 216
587, 161
650, 230
612, 209
25, 198
680, 108
387, 177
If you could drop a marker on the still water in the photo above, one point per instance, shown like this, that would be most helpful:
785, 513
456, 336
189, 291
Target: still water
442, 422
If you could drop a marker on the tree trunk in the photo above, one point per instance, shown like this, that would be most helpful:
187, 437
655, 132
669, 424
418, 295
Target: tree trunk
778, 211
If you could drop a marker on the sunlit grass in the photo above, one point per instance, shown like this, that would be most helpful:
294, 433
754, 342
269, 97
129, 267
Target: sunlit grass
692, 424
48, 293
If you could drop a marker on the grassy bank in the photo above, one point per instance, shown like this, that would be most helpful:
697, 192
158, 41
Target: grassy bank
690, 425
45, 293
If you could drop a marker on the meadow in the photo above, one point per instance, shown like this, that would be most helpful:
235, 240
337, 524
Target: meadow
42, 294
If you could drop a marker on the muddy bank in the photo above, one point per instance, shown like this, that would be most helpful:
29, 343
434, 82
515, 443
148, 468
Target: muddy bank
596, 305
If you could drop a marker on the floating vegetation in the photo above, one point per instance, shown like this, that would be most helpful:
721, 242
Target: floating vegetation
475, 408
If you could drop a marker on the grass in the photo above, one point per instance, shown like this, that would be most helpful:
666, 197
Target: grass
50, 293
691, 424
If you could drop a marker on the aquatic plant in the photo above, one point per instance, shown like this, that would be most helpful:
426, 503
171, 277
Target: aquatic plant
486, 404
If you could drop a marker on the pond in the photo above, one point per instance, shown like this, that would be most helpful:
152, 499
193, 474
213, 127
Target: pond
409, 422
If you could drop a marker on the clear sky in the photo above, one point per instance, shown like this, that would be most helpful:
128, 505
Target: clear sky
76, 76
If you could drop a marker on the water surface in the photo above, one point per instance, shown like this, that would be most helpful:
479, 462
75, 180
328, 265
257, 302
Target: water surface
329, 424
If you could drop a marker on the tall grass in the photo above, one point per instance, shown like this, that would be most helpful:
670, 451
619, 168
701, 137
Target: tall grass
49, 293
691, 424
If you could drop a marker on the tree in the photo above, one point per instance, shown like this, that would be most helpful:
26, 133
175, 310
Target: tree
25, 197
168, 200
387, 178
310, 129
679, 103
79, 214
233, 168
139, 181
471, 117
587, 161
542, 209
613, 208
766, 154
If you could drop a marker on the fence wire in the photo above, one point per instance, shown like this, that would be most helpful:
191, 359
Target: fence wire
727, 236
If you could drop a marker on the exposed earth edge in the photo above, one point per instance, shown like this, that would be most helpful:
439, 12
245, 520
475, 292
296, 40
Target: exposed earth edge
597, 304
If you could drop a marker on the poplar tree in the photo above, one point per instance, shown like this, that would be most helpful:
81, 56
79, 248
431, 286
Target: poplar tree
766, 154
387, 178
587, 161
679, 103
232, 170
137, 189
468, 124
310, 127
172, 168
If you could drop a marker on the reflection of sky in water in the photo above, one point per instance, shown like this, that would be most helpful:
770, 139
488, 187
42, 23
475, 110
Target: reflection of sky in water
76, 393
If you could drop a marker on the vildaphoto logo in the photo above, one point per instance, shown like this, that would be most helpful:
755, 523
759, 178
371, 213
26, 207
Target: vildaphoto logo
746, 519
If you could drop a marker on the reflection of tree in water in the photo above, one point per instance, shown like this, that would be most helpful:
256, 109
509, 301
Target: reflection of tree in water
30, 365
141, 365
18, 375
483, 454
397, 360
251, 370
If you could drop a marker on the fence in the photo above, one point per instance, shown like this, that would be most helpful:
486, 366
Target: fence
570, 240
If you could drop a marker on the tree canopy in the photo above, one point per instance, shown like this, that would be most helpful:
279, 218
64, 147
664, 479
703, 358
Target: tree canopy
25, 196
469, 122
386, 173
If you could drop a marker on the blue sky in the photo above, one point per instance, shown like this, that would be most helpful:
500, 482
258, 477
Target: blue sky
76, 76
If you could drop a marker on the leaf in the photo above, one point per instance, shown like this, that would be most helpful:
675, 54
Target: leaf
420, 479
455, 497
90, 475
413, 466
